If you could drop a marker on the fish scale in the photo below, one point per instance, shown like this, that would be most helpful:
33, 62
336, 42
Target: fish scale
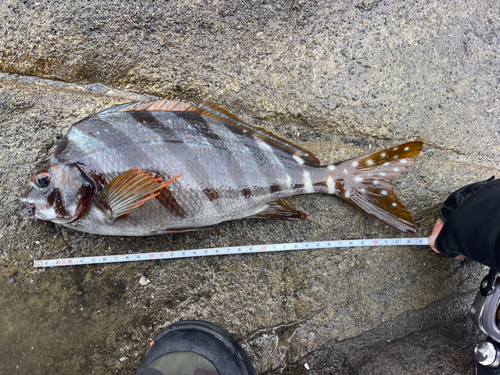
175, 166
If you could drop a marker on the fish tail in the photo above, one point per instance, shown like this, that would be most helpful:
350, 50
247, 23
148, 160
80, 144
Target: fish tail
365, 183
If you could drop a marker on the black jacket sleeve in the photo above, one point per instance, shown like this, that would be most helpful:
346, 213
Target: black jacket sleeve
472, 223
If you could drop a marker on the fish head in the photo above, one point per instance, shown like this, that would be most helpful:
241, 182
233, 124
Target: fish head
58, 193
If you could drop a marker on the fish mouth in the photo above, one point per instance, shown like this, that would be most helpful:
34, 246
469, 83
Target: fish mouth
27, 210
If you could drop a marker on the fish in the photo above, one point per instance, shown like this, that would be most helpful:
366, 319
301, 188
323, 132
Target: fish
168, 165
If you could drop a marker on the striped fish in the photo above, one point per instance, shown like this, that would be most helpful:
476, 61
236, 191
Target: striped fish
168, 166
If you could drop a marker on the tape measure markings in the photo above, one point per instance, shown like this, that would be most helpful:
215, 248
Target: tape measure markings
229, 250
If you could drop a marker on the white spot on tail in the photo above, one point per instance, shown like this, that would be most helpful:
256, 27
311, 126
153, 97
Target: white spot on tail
355, 164
396, 156
403, 161
384, 192
298, 159
396, 169
347, 194
383, 154
383, 174
386, 164
369, 162
395, 149
376, 182
406, 148
345, 171
331, 167
330, 184
288, 181
394, 205
358, 178
308, 185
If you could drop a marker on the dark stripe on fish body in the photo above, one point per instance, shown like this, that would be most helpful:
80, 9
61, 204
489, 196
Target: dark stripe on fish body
247, 193
168, 201
211, 194
235, 129
113, 134
198, 122
220, 137
247, 163
240, 160
61, 147
275, 188
55, 200
182, 153
166, 197
322, 183
65, 146
148, 120
250, 141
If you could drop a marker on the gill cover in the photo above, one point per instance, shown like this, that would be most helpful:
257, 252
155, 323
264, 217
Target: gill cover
58, 193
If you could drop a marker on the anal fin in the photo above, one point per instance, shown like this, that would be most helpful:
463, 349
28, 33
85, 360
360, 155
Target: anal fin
280, 209
130, 190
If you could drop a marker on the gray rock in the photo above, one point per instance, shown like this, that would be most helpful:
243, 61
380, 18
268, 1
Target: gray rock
341, 79
434, 340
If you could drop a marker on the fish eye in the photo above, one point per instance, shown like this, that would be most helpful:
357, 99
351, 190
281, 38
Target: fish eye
42, 180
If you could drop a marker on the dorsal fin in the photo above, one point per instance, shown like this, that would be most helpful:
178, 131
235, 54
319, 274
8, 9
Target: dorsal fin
217, 112
167, 105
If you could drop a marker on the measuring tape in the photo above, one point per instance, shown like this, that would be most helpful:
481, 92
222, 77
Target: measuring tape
229, 250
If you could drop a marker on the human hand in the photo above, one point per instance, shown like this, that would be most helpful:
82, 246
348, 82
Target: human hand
432, 239
435, 231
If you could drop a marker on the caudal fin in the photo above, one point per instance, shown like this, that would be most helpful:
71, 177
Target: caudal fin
365, 183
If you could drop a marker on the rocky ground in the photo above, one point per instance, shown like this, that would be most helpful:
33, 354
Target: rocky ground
339, 78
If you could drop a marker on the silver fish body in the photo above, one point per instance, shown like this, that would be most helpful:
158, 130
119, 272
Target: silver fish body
221, 169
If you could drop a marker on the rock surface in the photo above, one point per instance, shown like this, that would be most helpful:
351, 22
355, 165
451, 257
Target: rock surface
340, 78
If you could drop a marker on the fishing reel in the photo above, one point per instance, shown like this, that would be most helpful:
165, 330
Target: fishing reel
486, 314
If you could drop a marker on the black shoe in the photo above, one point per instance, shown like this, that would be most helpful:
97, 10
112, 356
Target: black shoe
195, 347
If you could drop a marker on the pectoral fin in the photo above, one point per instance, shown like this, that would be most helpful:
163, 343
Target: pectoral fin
130, 190
280, 209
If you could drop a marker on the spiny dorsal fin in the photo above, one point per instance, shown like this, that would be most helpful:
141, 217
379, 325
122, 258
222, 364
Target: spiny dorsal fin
217, 112
167, 105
